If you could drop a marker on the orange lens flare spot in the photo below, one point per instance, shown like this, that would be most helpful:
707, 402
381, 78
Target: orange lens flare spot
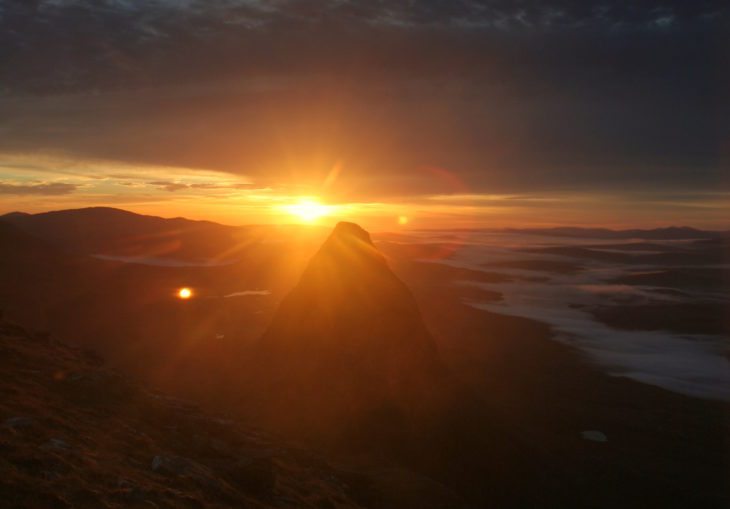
185, 293
402, 220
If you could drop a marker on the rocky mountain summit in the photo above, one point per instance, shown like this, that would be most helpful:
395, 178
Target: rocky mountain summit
348, 346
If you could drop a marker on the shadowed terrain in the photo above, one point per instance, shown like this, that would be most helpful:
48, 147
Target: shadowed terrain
422, 254
77, 434
385, 362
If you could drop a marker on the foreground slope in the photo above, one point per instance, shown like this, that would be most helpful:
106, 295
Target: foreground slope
75, 434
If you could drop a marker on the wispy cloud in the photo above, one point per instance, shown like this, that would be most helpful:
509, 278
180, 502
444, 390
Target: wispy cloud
173, 186
169, 186
42, 189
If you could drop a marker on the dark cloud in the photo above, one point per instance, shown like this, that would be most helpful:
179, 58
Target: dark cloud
504, 95
91, 44
42, 189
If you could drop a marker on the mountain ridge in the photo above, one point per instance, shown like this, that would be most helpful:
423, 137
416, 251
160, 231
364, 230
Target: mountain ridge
666, 232
662, 233
112, 231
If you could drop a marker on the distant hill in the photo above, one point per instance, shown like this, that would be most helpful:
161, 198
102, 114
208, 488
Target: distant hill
669, 233
128, 312
16, 243
110, 231
348, 346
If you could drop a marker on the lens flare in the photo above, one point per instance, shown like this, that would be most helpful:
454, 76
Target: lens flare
185, 293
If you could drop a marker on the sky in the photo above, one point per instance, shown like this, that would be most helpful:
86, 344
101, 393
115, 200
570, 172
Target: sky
417, 113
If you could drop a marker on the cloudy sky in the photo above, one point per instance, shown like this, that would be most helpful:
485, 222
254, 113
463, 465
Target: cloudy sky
463, 112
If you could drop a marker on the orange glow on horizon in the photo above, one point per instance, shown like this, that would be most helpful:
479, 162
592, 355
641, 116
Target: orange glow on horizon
308, 210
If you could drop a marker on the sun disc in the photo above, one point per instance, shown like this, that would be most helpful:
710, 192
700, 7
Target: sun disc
185, 293
308, 209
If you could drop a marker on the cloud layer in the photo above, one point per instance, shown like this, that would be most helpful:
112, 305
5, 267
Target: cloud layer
40, 189
49, 45
406, 99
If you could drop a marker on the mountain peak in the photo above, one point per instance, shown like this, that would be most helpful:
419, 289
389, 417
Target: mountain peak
11, 215
347, 342
348, 251
351, 231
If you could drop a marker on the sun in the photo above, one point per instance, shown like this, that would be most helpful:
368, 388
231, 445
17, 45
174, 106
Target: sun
308, 210
185, 293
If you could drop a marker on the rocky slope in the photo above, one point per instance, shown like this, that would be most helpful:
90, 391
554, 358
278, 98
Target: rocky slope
76, 434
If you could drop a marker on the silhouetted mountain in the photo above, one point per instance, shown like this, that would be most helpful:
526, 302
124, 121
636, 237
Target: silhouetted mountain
347, 346
14, 243
103, 230
668, 233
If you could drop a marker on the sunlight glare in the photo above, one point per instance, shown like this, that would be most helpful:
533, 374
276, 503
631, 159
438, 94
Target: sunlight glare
308, 209
185, 293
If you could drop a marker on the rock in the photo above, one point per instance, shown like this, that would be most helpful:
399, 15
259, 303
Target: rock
176, 403
56, 443
326, 503
13, 331
16, 423
135, 494
594, 436
253, 475
92, 358
178, 466
96, 388
50, 475
169, 465
219, 446
129, 493
42, 336
46, 501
